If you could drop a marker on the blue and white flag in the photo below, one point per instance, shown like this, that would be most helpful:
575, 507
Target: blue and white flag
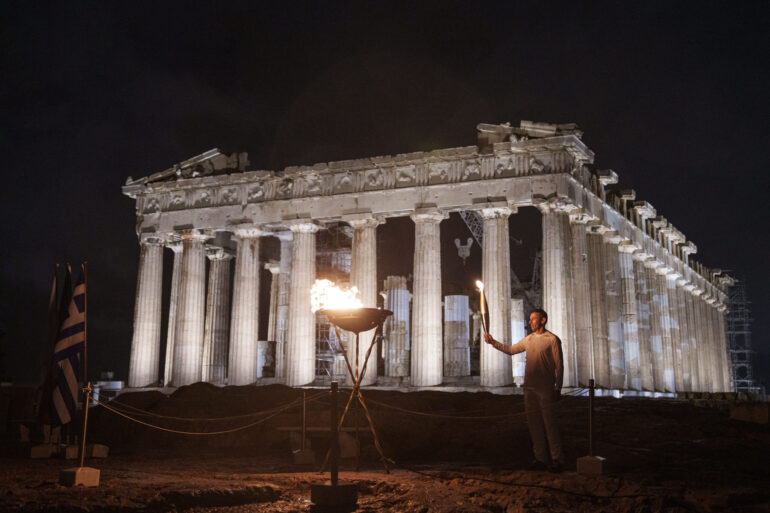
68, 357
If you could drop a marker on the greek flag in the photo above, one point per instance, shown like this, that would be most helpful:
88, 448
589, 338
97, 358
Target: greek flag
67, 357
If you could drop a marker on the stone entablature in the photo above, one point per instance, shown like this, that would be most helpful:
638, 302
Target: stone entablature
521, 172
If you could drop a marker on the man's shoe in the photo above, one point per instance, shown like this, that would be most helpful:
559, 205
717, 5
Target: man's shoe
556, 467
537, 465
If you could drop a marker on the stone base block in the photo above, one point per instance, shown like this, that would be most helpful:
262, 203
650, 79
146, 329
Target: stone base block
79, 476
341, 495
97, 451
591, 465
751, 412
69, 452
42, 451
306, 457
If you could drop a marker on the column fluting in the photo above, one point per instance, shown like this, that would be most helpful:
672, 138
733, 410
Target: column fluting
494, 366
176, 247
216, 333
300, 338
614, 304
643, 307
396, 329
282, 310
582, 299
557, 283
244, 366
426, 354
190, 314
145, 345
630, 317
598, 296
363, 275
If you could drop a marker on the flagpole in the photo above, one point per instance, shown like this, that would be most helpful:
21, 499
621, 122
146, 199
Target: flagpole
86, 384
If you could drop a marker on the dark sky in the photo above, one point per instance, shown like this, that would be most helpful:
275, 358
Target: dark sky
673, 96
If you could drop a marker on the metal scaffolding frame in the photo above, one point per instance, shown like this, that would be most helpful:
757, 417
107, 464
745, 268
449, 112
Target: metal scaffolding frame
738, 321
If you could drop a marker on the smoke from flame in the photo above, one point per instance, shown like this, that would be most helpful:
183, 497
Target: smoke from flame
324, 295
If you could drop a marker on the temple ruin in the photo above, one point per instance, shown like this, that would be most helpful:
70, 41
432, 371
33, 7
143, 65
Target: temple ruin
633, 309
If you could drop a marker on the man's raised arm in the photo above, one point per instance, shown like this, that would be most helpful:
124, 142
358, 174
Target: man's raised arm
516, 348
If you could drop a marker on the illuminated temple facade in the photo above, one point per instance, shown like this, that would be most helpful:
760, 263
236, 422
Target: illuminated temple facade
632, 307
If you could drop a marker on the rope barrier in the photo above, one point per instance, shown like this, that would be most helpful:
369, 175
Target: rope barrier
140, 412
275, 411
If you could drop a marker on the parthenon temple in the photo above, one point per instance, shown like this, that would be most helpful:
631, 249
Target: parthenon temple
634, 310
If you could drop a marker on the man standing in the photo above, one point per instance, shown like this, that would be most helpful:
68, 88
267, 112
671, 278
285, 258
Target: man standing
543, 377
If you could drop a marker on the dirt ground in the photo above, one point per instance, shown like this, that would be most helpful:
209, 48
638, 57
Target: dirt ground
453, 452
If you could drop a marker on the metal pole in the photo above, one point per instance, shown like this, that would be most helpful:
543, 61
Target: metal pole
304, 421
87, 387
590, 417
334, 441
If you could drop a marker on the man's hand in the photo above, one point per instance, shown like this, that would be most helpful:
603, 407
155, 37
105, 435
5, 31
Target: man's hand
488, 338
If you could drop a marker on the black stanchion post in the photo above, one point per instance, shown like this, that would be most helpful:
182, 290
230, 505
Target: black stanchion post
591, 417
591, 465
334, 440
334, 493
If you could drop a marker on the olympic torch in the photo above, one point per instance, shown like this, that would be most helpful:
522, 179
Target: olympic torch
480, 286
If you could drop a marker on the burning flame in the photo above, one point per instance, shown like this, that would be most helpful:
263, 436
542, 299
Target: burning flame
325, 296
480, 285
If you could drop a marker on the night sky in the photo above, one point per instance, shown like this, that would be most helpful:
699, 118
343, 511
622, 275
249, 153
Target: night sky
673, 96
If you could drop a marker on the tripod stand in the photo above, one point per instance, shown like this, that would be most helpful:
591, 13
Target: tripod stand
358, 320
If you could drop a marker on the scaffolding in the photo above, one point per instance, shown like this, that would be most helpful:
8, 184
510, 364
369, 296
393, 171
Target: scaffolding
739, 338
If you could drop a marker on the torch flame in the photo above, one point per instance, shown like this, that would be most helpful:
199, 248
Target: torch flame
325, 296
480, 285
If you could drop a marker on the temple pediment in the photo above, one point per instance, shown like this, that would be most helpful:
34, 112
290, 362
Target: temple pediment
209, 163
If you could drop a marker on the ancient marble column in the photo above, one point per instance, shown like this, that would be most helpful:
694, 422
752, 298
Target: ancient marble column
704, 370
176, 247
727, 370
582, 298
275, 271
244, 366
643, 321
695, 383
426, 357
518, 332
217, 328
282, 310
661, 292
396, 328
495, 366
145, 345
300, 337
715, 373
596, 276
457, 349
656, 332
684, 334
557, 283
614, 304
190, 314
630, 316
676, 342
363, 274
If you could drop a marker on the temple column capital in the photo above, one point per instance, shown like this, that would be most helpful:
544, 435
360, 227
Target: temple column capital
273, 266
215, 253
580, 216
428, 215
193, 234
553, 204
247, 231
628, 247
152, 239
612, 237
302, 226
363, 220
